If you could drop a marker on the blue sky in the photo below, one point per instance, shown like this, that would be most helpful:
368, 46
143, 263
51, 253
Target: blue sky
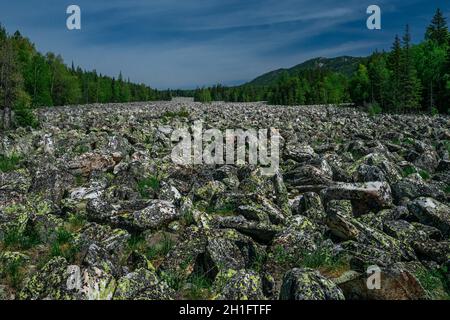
190, 43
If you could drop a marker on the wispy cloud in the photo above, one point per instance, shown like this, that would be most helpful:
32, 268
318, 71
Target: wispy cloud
172, 43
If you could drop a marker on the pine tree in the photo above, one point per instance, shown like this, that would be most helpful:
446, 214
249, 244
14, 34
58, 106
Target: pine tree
395, 65
409, 82
438, 31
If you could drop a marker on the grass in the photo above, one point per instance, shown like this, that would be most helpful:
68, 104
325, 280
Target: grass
322, 259
21, 240
409, 170
374, 109
79, 179
199, 287
447, 189
188, 218
10, 163
173, 280
13, 273
154, 252
425, 174
63, 245
433, 281
356, 154
147, 184
160, 249
76, 222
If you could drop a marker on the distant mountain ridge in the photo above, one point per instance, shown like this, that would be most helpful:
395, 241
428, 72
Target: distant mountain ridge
346, 65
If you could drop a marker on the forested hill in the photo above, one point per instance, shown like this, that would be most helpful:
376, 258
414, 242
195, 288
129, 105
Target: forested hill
345, 65
34, 79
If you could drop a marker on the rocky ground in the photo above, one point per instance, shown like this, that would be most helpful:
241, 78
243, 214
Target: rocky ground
92, 207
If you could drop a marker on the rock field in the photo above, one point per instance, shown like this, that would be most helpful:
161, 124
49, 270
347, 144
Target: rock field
93, 207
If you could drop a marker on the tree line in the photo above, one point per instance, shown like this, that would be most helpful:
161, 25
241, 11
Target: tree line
408, 78
29, 79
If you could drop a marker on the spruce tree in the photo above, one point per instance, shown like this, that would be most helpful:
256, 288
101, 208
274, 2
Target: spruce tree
438, 31
410, 84
394, 63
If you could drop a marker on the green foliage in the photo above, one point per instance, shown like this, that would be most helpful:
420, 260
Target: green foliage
409, 170
9, 163
144, 186
374, 109
183, 113
322, 259
13, 273
433, 281
360, 85
76, 222
16, 238
425, 174
203, 95
199, 287
447, 189
47, 81
23, 115
64, 246
160, 249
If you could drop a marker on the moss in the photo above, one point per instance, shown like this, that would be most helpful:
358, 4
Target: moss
10, 163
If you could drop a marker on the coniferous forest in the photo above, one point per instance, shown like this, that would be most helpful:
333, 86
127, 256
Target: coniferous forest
30, 79
408, 78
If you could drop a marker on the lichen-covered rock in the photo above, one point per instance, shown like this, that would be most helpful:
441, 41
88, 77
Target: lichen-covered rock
142, 284
50, 282
365, 197
239, 285
95, 191
157, 214
395, 283
432, 212
306, 284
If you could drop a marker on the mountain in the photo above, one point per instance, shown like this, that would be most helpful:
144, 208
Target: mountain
345, 65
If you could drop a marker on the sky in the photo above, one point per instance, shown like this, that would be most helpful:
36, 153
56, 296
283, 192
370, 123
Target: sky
194, 43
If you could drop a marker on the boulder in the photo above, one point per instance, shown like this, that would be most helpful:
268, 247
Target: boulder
307, 284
